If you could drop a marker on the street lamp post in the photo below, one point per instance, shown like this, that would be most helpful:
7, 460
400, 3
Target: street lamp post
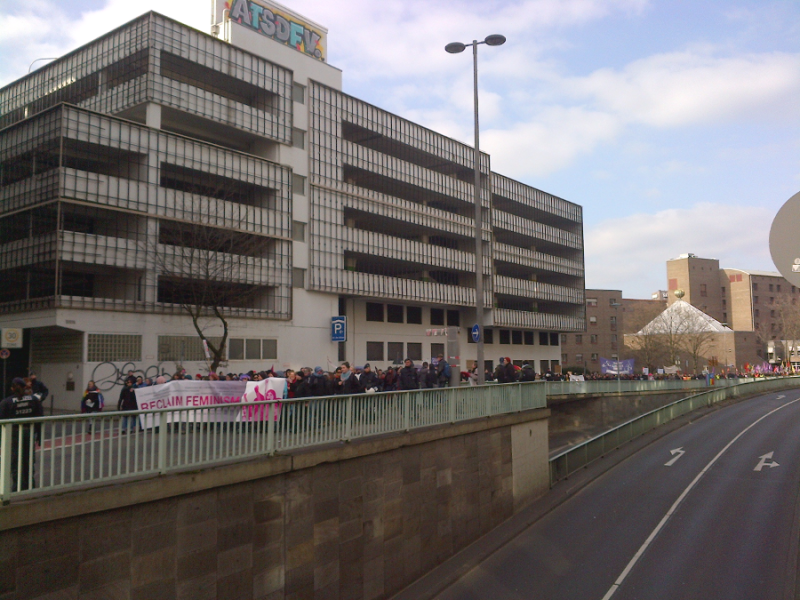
455, 48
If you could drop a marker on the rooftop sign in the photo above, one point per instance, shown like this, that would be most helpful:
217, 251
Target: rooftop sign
277, 23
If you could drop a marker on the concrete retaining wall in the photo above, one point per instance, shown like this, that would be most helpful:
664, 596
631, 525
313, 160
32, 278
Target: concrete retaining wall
355, 521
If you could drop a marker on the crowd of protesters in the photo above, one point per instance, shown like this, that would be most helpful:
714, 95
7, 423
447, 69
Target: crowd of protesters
347, 380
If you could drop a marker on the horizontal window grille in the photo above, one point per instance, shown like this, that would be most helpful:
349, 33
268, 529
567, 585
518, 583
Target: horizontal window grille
56, 347
113, 347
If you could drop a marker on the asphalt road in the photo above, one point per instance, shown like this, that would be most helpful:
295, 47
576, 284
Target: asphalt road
708, 511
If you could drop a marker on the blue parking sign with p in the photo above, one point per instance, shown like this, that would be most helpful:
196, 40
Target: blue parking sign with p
339, 329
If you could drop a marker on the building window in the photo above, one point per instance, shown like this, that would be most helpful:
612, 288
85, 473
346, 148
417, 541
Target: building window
593, 321
488, 336
453, 318
248, 349
298, 231
118, 347
505, 336
757, 313
374, 350
554, 339
591, 302
755, 286
375, 312
395, 352
414, 315
771, 287
252, 349
298, 278
414, 350
772, 314
612, 301
394, 313
725, 317
564, 358
299, 94
563, 338
544, 339
528, 338
594, 356
593, 338
298, 185
722, 290
181, 348
436, 350
772, 300
516, 337
778, 287
269, 349
437, 316
579, 358
703, 290
298, 138
578, 339
755, 299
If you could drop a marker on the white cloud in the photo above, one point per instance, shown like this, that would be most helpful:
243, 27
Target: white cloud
548, 143
635, 248
690, 87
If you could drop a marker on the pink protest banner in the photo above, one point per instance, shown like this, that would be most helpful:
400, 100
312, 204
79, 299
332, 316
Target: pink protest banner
269, 390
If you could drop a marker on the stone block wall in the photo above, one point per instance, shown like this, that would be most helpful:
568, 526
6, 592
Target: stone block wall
353, 529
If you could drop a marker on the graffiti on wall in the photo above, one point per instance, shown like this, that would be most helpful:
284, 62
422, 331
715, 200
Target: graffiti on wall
279, 26
107, 375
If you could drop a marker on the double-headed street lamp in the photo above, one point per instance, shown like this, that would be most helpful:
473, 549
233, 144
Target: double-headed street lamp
455, 48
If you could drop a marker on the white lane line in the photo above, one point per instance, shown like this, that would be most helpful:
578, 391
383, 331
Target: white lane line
674, 507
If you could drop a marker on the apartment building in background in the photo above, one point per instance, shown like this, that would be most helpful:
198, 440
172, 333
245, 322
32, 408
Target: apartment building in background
159, 163
603, 336
761, 302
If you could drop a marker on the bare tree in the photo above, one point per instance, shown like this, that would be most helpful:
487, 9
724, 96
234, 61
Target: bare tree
210, 272
696, 344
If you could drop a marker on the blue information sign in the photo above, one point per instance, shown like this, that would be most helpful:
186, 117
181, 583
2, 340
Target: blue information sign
338, 329
476, 333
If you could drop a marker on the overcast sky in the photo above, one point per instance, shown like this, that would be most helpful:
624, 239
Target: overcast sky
674, 123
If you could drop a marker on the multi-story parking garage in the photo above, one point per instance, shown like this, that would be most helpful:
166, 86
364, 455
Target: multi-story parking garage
160, 168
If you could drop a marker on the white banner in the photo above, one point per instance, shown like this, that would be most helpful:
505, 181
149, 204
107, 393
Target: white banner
216, 396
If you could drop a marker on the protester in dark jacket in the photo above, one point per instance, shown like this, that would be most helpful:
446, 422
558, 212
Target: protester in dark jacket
442, 372
369, 381
92, 400
500, 371
511, 371
390, 380
408, 378
318, 383
127, 401
527, 373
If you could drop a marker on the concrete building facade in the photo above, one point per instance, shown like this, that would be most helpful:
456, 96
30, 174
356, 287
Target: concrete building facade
159, 164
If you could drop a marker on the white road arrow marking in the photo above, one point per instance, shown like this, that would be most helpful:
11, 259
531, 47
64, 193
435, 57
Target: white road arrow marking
781, 397
766, 462
677, 453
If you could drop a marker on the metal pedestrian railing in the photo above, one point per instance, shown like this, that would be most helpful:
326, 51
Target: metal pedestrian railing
568, 462
54, 454
612, 386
